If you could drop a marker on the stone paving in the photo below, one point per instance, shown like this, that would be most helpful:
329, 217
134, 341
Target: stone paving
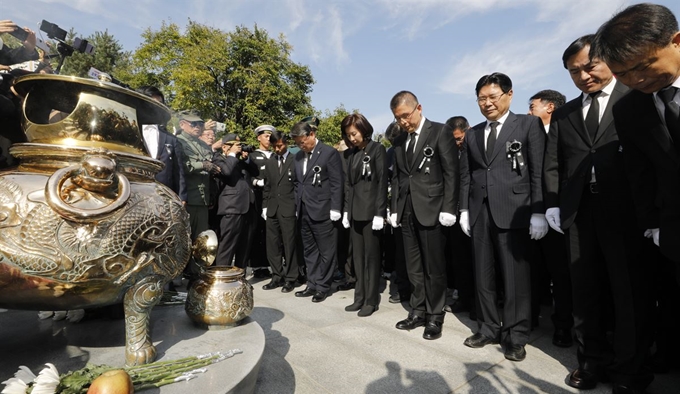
320, 348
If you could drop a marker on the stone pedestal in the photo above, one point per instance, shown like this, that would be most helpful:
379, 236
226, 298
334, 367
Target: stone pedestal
26, 340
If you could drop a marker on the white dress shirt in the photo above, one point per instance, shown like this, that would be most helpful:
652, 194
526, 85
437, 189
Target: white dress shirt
150, 133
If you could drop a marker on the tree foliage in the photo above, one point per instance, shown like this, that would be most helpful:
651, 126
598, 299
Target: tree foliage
243, 78
107, 57
329, 125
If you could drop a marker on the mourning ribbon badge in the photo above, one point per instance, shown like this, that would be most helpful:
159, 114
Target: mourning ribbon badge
428, 152
366, 167
513, 150
316, 181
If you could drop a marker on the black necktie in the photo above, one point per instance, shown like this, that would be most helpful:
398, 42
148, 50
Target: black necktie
411, 148
593, 115
280, 163
671, 114
491, 139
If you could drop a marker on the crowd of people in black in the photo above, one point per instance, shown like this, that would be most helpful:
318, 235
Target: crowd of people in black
577, 203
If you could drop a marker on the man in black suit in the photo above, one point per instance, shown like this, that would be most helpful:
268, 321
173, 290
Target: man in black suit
279, 213
641, 46
502, 201
588, 196
235, 202
318, 197
165, 147
424, 198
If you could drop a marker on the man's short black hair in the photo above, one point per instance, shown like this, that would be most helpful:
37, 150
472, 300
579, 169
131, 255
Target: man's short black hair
301, 129
550, 96
576, 47
276, 136
500, 79
458, 123
633, 32
403, 97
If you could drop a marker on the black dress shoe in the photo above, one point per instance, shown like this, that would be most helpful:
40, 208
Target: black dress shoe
582, 379
319, 296
367, 310
262, 273
433, 330
456, 307
288, 287
307, 292
345, 286
411, 322
354, 307
562, 338
515, 353
271, 285
479, 340
395, 299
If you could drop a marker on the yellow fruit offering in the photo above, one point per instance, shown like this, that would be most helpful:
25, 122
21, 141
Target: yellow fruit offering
112, 382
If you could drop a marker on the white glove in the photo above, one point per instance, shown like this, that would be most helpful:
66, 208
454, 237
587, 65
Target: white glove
538, 226
653, 233
465, 222
258, 182
264, 213
393, 220
335, 215
552, 215
378, 223
446, 219
345, 220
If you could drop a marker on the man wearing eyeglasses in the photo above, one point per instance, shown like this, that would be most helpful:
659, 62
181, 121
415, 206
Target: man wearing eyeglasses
501, 208
424, 198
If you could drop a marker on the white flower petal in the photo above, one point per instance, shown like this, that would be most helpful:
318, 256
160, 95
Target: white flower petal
14, 386
25, 374
47, 380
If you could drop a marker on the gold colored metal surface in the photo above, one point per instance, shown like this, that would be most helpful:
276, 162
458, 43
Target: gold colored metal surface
205, 248
82, 221
220, 298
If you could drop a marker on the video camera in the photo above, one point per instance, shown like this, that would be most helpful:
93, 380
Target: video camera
58, 34
247, 148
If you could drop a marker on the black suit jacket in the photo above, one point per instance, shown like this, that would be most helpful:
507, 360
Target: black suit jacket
434, 186
653, 168
570, 156
513, 195
170, 152
236, 195
366, 190
279, 188
326, 195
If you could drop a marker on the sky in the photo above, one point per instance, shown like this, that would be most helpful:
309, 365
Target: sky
362, 52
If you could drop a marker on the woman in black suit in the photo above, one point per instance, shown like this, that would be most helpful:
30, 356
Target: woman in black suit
365, 210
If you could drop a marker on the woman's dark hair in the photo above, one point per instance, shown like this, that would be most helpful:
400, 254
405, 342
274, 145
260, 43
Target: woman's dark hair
360, 122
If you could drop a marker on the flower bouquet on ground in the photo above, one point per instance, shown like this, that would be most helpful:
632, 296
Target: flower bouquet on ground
100, 379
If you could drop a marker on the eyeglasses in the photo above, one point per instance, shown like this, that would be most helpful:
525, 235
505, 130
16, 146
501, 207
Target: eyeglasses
492, 99
197, 124
403, 118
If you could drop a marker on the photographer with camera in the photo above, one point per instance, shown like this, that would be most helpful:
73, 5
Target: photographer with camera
236, 202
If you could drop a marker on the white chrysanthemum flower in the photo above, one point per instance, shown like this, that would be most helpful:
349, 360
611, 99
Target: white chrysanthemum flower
25, 374
47, 380
14, 386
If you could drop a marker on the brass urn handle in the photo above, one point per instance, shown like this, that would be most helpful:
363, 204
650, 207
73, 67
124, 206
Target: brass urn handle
89, 190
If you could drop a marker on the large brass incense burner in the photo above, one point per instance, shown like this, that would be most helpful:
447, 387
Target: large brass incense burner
82, 221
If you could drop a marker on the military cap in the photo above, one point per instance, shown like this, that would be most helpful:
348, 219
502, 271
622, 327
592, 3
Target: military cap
230, 138
312, 121
265, 129
190, 116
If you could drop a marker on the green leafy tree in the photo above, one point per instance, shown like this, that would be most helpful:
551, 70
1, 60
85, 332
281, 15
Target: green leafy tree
243, 78
108, 55
329, 125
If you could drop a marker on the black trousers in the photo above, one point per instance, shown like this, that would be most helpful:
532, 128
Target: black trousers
604, 261
367, 262
425, 265
553, 255
234, 240
281, 233
510, 247
459, 265
319, 242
